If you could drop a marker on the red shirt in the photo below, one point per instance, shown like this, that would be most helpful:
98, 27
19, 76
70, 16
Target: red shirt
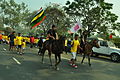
0, 36
32, 39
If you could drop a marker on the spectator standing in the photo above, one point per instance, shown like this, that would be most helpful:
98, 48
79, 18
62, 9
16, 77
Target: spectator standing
0, 38
19, 43
23, 45
32, 41
11, 40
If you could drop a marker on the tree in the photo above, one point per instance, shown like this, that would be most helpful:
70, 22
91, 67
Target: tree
95, 15
14, 15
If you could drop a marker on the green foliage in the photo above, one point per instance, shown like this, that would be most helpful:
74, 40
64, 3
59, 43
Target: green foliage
8, 30
116, 41
14, 14
93, 14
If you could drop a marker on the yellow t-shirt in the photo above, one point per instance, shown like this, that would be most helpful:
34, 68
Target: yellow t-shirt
19, 40
27, 39
75, 45
65, 42
15, 41
23, 44
36, 40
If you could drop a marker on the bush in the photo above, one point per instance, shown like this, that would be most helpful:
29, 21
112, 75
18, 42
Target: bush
116, 41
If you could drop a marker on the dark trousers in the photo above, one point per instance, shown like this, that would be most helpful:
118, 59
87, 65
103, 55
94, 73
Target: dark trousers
0, 41
31, 45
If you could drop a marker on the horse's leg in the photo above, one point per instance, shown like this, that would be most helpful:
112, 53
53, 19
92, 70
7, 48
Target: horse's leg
55, 59
89, 60
59, 57
50, 57
83, 58
43, 52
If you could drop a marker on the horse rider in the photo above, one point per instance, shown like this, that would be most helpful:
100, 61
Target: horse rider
52, 34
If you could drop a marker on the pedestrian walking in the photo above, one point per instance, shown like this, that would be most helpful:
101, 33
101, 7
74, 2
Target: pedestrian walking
75, 45
40, 44
23, 45
19, 40
11, 40
32, 41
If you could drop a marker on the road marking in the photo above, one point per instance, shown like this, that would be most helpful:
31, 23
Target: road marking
4, 49
16, 60
65, 58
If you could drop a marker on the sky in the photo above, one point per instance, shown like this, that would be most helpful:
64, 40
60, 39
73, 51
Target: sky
37, 4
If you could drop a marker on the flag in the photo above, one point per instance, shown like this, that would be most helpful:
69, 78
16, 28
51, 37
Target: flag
110, 37
38, 18
70, 32
75, 28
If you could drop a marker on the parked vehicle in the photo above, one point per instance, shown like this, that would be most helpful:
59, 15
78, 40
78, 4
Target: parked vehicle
107, 48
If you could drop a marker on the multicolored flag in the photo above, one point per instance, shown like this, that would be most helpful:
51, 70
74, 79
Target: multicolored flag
38, 18
75, 28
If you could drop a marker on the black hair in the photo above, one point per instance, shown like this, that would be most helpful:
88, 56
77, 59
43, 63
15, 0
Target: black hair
23, 40
13, 32
19, 34
76, 35
53, 26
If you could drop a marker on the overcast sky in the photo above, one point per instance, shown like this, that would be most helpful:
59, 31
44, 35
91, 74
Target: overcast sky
36, 4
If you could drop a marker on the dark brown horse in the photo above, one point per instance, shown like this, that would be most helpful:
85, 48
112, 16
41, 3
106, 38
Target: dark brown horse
56, 47
87, 50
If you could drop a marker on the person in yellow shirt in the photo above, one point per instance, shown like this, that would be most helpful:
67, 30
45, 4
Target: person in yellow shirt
0, 38
23, 45
75, 45
15, 43
19, 42
66, 41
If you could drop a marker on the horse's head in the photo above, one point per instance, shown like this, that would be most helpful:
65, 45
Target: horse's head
62, 39
95, 43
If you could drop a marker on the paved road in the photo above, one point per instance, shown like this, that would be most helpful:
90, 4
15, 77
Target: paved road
29, 67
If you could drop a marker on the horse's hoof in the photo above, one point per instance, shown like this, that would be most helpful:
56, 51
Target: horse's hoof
51, 66
43, 62
57, 69
90, 65
41, 54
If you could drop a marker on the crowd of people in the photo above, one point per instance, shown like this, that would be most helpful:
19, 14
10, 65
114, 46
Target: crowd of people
18, 43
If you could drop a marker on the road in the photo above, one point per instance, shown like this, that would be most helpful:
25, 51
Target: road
29, 67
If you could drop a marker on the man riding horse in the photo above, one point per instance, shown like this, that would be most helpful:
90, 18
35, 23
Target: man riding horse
52, 34
54, 45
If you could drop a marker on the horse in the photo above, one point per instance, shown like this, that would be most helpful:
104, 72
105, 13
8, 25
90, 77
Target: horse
87, 49
56, 47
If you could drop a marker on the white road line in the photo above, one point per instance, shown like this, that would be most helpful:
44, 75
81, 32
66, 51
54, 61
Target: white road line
4, 49
65, 58
16, 60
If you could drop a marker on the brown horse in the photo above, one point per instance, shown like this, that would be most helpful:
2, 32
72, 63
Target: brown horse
56, 47
87, 50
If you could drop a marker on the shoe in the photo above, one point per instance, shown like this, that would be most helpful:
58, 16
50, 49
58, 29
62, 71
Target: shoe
39, 53
20, 53
17, 52
75, 66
